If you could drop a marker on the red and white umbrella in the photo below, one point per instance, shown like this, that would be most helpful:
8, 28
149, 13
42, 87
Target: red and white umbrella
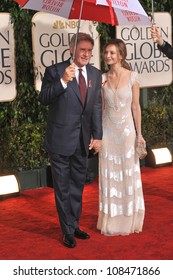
124, 12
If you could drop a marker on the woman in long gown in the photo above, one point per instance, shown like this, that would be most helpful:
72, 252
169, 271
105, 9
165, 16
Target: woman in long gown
121, 201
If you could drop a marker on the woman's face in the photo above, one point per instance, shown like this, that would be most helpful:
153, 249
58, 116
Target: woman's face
112, 55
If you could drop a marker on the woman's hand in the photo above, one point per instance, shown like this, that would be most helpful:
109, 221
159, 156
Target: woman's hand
141, 140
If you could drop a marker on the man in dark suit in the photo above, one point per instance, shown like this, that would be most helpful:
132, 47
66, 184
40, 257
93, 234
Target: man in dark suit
162, 45
74, 126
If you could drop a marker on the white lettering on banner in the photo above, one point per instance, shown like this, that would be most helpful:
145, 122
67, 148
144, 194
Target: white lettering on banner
143, 54
51, 38
7, 64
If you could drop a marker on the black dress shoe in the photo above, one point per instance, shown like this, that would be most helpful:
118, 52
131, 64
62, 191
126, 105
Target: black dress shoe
69, 241
81, 234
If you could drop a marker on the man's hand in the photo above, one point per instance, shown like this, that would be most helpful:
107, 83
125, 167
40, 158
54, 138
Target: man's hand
156, 36
69, 73
95, 145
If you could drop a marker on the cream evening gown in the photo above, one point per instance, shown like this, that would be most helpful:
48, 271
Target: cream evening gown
121, 202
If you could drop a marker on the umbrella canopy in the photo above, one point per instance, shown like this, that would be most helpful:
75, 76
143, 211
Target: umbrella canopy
125, 12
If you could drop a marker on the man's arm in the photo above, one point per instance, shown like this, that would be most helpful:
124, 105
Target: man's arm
166, 49
162, 45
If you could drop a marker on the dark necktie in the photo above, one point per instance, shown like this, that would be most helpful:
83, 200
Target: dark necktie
82, 86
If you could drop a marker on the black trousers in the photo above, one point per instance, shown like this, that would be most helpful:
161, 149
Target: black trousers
69, 175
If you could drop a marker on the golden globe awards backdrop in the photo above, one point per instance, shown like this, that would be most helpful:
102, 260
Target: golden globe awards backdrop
51, 36
7, 59
154, 68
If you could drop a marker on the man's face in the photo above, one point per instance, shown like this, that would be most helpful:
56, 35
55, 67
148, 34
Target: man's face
83, 53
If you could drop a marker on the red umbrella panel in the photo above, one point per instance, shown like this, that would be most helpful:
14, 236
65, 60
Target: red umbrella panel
124, 12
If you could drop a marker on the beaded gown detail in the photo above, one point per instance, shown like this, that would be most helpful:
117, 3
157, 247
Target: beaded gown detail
121, 201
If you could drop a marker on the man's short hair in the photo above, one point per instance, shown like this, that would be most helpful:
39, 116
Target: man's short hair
81, 37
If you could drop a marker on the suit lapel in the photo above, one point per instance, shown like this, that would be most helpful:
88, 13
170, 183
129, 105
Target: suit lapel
74, 86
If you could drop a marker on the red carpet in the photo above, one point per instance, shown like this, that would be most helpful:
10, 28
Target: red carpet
30, 230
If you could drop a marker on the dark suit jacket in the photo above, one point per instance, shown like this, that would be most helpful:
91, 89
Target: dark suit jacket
167, 50
67, 116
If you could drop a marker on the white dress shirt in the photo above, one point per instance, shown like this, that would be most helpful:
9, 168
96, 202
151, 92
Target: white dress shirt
84, 73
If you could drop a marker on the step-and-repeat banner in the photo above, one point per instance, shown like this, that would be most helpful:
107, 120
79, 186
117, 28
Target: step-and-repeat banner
154, 68
7, 59
51, 37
